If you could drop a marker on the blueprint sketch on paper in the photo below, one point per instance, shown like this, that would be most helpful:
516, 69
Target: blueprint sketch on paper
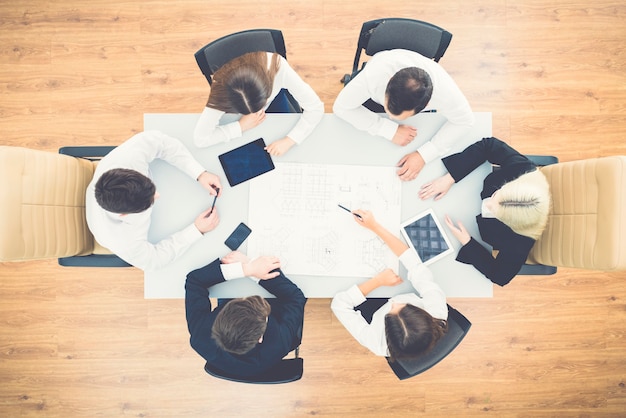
294, 215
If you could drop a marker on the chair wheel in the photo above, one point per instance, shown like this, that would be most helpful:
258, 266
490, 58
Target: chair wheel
345, 78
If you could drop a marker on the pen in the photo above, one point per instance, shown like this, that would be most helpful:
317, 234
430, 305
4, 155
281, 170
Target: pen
217, 191
348, 210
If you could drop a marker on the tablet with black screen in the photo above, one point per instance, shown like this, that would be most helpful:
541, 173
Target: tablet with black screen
424, 234
246, 162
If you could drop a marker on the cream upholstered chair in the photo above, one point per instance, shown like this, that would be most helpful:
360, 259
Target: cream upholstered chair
587, 222
42, 206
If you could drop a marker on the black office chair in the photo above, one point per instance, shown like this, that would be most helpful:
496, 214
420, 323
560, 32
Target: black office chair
288, 370
214, 55
458, 326
398, 33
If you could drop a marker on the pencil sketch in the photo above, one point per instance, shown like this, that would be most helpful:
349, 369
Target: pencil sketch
294, 214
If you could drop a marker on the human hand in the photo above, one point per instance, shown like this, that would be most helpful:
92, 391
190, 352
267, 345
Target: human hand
251, 120
404, 135
365, 218
211, 182
458, 231
235, 257
207, 220
280, 146
410, 166
436, 188
388, 278
262, 267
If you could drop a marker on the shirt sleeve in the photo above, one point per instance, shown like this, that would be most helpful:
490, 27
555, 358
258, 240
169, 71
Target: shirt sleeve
369, 336
452, 104
313, 108
174, 152
500, 269
422, 280
349, 106
209, 132
142, 254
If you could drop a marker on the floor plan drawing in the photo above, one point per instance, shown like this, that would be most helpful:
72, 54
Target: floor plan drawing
294, 214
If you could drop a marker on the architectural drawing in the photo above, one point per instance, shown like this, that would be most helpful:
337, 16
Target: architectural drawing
294, 215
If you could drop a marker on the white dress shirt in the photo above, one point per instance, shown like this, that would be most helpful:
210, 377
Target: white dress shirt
209, 132
447, 99
127, 235
431, 299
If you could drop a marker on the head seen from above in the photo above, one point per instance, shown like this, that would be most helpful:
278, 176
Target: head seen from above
124, 191
411, 331
244, 84
408, 92
240, 325
523, 204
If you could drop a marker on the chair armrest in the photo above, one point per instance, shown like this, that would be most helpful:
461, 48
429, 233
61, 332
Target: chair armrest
543, 160
537, 270
87, 152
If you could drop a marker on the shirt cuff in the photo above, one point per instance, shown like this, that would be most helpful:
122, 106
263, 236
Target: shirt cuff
232, 271
388, 128
429, 152
355, 295
410, 259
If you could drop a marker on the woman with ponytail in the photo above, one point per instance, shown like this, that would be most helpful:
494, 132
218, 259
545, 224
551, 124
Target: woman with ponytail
404, 326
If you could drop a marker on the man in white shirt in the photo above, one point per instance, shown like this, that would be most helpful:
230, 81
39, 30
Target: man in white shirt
406, 83
120, 199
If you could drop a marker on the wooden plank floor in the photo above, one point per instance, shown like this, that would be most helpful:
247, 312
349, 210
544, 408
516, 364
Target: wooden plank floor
84, 342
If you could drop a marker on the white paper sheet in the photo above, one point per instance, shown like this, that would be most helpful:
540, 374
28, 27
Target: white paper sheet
294, 214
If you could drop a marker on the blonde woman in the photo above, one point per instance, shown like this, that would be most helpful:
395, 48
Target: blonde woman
247, 85
514, 213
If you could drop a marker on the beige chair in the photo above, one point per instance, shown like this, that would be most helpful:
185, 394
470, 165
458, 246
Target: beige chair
42, 206
587, 223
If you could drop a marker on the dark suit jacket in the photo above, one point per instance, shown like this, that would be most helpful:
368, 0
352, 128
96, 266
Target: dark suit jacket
283, 326
513, 248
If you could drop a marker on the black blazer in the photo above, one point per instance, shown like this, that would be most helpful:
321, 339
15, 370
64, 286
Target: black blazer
283, 327
513, 248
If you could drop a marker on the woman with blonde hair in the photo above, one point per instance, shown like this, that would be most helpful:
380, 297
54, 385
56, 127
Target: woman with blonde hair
514, 212
248, 85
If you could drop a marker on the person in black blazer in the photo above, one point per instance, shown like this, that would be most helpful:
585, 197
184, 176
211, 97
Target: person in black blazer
516, 202
244, 336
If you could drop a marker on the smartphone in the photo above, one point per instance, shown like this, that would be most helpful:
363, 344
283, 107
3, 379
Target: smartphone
238, 236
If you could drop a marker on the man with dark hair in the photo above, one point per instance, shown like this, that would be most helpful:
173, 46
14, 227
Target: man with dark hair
121, 195
244, 336
406, 83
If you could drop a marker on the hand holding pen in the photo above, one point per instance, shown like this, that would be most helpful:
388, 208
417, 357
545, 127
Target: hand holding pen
365, 218
348, 210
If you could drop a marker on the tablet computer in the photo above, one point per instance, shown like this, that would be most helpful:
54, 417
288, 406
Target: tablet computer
246, 162
425, 235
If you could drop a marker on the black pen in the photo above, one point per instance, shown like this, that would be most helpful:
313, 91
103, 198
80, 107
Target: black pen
348, 210
217, 191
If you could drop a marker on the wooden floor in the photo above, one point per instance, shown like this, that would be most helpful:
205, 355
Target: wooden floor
83, 342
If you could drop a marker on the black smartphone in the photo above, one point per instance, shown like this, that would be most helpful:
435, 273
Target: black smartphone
238, 236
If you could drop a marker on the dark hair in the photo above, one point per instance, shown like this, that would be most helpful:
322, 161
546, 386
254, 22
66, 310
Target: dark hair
412, 332
408, 89
240, 324
121, 190
243, 84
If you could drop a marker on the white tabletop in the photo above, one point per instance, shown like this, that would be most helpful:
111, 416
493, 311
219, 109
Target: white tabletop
333, 142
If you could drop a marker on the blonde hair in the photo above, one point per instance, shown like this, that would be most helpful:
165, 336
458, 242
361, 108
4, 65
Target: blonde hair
523, 204
244, 84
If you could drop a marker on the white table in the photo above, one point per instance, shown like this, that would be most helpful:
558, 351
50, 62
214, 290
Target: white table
333, 142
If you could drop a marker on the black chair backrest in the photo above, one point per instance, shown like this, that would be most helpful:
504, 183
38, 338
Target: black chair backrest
398, 33
288, 370
458, 326
217, 53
